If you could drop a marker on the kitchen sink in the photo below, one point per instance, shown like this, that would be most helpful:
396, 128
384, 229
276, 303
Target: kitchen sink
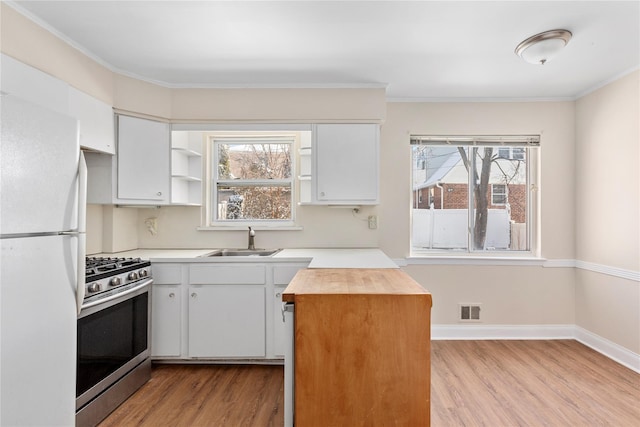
243, 252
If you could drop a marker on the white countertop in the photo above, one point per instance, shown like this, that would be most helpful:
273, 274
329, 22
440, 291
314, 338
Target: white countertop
340, 258
319, 258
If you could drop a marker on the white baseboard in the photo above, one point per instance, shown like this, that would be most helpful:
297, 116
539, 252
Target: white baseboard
501, 332
610, 349
613, 351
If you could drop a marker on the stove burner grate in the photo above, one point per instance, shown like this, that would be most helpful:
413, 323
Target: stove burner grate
98, 267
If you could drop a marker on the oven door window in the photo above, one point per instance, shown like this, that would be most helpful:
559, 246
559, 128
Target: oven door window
109, 338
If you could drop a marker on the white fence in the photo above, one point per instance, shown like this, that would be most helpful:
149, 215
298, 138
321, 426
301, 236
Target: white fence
447, 229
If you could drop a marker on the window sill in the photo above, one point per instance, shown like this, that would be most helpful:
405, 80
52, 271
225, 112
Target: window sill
236, 227
471, 260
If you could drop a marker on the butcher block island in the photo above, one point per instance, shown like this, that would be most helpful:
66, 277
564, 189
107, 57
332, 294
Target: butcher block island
361, 348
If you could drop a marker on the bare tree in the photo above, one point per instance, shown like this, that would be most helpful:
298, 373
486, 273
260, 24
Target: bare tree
263, 162
480, 192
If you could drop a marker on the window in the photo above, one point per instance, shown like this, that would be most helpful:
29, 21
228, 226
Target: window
251, 179
481, 194
499, 194
517, 153
512, 153
504, 152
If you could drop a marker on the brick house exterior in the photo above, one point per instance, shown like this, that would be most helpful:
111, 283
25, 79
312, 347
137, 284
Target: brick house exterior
445, 187
454, 196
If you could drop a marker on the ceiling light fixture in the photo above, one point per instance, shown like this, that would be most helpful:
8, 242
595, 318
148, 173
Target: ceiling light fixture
542, 47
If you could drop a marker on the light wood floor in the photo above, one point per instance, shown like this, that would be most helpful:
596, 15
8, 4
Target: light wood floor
473, 383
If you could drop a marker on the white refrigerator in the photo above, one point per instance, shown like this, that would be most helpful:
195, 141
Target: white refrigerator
42, 225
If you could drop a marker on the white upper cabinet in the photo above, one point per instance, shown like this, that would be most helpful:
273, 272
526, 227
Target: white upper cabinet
345, 164
139, 174
95, 119
143, 160
31, 84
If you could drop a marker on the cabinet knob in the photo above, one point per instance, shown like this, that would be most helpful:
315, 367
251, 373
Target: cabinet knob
193, 295
278, 294
159, 193
171, 295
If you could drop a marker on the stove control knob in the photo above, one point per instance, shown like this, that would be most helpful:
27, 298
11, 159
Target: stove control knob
94, 287
115, 281
133, 276
143, 273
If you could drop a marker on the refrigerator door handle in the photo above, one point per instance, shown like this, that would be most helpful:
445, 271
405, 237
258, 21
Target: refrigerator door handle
82, 253
82, 227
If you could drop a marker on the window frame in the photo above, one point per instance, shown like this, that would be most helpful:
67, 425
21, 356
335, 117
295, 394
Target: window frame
530, 146
210, 219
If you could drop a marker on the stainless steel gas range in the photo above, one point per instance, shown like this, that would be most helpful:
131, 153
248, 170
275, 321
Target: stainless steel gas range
113, 336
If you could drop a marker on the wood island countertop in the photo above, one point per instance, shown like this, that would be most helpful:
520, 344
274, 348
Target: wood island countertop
349, 281
362, 348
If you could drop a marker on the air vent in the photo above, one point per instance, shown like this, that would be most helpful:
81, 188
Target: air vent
469, 312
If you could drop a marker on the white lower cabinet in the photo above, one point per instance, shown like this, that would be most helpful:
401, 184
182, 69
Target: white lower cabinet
219, 311
166, 314
227, 321
166, 310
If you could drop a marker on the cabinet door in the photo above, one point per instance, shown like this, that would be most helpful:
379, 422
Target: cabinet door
166, 324
95, 119
143, 160
346, 163
227, 321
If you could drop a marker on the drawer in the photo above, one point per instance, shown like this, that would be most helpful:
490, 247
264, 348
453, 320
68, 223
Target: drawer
237, 274
166, 274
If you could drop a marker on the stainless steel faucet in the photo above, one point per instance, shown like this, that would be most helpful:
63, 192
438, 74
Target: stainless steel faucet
252, 236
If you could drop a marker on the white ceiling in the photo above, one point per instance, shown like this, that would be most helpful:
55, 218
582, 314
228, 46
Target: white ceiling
420, 50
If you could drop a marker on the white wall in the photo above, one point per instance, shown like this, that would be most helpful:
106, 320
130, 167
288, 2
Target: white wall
111, 229
95, 222
322, 227
608, 212
518, 295
553, 120
509, 296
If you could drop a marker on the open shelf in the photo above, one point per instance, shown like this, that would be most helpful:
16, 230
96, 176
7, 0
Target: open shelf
186, 168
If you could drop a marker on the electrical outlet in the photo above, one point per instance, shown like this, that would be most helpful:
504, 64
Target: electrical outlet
373, 222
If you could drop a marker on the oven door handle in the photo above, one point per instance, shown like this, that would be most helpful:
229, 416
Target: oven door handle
119, 294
